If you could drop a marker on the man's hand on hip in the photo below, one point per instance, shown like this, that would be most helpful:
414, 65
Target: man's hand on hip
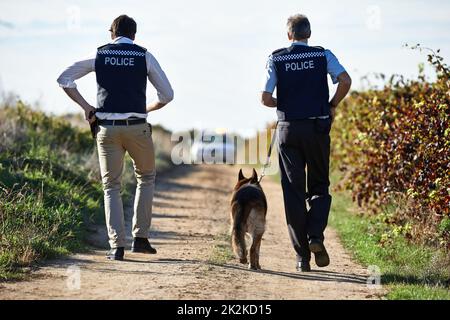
332, 113
89, 113
268, 100
155, 106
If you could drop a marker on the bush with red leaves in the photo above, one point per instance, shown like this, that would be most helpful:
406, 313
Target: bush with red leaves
395, 143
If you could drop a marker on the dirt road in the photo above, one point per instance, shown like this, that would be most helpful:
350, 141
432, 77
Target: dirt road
191, 216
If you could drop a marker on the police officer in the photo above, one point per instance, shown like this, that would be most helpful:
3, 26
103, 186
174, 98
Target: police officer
305, 113
122, 69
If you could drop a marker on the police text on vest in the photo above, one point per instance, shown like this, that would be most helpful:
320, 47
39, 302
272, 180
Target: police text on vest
113, 61
300, 65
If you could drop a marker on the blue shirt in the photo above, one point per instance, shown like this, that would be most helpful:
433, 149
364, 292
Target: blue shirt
334, 69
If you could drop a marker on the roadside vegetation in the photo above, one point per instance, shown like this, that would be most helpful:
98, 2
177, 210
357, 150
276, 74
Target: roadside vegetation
393, 147
408, 270
50, 188
391, 156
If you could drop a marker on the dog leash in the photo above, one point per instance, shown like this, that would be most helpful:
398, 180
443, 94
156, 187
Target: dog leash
266, 164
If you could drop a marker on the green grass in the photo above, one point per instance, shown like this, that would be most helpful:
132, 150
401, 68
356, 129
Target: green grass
409, 271
221, 252
42, 217
50, 188
47, 195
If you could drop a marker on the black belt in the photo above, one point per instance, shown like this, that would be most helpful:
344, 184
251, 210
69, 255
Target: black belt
127, 122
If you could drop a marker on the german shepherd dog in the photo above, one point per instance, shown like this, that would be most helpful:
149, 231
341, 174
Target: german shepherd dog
248, 215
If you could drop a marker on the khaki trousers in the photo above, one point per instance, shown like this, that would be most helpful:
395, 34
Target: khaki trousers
112, 143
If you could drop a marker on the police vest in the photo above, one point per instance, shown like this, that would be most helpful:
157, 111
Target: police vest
121, 72
302, 86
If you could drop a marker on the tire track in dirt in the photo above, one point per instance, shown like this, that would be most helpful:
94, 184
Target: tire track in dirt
191, 208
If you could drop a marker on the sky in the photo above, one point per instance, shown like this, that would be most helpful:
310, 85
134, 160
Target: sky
213, 52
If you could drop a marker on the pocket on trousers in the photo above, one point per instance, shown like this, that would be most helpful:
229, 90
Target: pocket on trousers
323, 125
144, 131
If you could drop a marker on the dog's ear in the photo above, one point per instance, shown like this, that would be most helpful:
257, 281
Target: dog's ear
254, 176
240, 176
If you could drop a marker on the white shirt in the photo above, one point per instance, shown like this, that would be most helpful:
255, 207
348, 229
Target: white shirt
155, 75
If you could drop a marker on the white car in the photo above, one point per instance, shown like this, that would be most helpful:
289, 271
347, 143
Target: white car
210, 151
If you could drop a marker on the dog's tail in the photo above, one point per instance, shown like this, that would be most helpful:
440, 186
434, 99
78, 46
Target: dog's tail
238, 232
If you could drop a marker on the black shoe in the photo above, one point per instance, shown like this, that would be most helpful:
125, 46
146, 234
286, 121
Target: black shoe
303, 266
142, 245
320, 253
115, 254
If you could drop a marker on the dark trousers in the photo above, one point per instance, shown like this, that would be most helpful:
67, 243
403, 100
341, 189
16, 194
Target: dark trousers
305, 144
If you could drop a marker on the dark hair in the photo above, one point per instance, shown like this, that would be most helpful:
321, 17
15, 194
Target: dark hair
123, 26
299, 27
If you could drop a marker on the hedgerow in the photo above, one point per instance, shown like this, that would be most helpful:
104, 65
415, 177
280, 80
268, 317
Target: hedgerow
393, 146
